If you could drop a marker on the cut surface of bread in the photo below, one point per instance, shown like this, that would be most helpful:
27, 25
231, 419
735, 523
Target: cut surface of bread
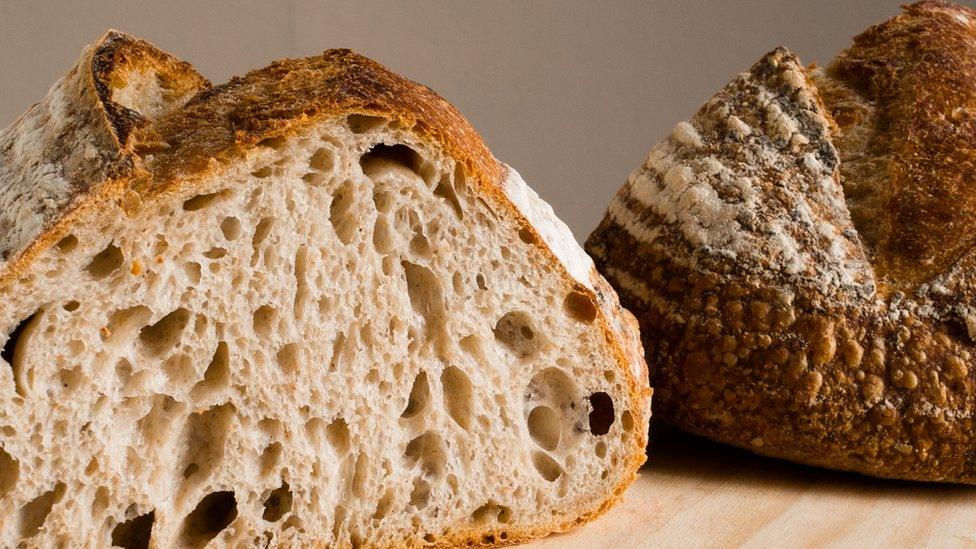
800, 255
303, 307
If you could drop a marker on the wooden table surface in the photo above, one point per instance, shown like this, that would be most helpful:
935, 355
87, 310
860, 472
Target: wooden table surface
695, 493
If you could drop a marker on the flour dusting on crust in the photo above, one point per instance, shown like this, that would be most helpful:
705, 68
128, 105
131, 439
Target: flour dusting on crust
708, 185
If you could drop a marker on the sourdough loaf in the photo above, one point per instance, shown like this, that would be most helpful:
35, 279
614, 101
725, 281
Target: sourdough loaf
303, 307
800, 255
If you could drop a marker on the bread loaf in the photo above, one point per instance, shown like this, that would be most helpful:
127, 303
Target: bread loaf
306, 307
800, 255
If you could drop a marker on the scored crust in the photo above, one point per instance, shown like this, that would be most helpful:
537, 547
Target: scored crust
131, 124
801, 255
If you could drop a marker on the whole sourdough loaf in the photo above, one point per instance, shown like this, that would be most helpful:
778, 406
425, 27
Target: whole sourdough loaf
304, 307
800, 255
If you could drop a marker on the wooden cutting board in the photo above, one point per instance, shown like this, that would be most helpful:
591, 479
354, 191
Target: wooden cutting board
695, 493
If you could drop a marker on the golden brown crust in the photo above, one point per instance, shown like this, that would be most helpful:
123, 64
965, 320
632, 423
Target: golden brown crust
290, 94
818, 348
179, 147
115, 55
918, 72
71, 150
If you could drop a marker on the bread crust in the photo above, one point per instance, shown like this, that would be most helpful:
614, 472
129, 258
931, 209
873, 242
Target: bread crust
772, 320
196, 138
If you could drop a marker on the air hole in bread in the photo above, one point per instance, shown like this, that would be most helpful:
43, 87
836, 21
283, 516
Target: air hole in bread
105, 262
278, 504
627, 421
289, 358
202, 201
458, 395
579, 305
527, 235
472, 345
338, 348
426, 297
14, 350
270, 457
202, 441
216, 376
420, 494
399, 154
67, 244
122, 325
101, 499
382, 238
601, 413
547, 467
338, 435
123, 371
263, 172
9, 472
382, 199
323, 160
193, 272
600, 449
264, 320
419, 246
231, 228
419, 396
344, 220
384, 505
362, 123
178, 370
515, 332
480, 281
35, 512
214, 513
261, 232
314, 179
445, 190
71, 306
160, 337
554, 389
545, 427
301, 282
156, 425
215, 253
492, 511
277, 142
428, 451
134, 533
360, 472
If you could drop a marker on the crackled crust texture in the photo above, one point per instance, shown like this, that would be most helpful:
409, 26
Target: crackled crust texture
773, 321
131, 124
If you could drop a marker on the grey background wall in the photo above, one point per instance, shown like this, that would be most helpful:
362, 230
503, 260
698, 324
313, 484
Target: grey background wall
572, 94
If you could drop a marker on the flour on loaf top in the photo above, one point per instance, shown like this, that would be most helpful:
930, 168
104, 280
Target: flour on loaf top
726, 188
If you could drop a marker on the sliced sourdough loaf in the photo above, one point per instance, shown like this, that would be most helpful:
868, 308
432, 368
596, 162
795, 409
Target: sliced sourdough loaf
304, 307
801, 255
